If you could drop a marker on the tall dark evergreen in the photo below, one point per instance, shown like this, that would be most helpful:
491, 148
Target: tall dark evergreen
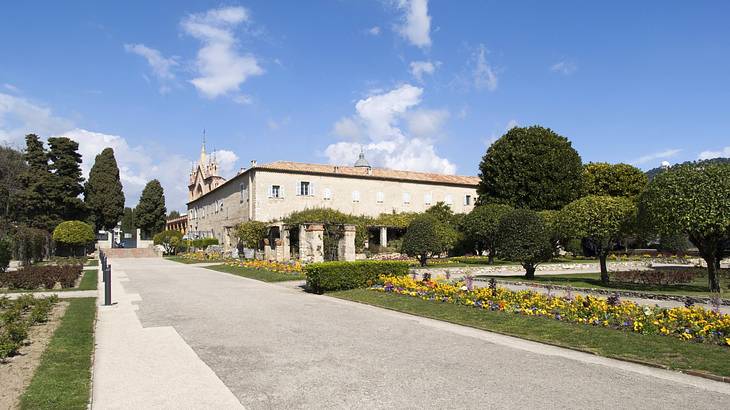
66, 182
129, 222
103, 193
12, 167
151, 212
36, 207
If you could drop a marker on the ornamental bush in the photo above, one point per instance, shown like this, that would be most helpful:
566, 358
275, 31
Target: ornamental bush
330, 276
170, 240
251, 233
427, 236
34, 277
481, 225
525, 237
203, 243
73, 234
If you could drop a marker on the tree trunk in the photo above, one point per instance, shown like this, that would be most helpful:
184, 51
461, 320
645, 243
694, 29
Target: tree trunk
529, 271
490, 260
712, 278
422, 260
604, 269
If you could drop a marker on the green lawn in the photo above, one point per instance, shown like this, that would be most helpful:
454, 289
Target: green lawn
63, 379
92, 262
258, 274
186, 261
698, 287
89, 280
652, 349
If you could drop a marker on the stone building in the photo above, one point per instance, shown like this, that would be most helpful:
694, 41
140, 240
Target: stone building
270, 192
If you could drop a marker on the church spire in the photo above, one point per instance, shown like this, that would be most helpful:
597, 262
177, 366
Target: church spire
203, 157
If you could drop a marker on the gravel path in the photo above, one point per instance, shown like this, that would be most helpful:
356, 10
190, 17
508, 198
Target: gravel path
277, 347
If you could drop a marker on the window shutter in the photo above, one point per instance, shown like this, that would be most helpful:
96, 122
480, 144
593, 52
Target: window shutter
299, 188
311, 189
271, 191
281, 191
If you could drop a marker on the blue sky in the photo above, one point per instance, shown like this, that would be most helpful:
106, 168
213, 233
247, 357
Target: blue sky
422, 85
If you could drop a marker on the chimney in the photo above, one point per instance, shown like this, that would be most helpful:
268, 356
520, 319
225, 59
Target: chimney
253, 163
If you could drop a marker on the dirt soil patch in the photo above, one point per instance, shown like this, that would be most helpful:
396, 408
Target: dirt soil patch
17, 371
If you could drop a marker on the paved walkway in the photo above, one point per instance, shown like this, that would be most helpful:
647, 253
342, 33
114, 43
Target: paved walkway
276, 347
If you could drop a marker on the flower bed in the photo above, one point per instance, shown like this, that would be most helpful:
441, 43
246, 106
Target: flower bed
295, 267
16, 316
687, 323
33, 277
201, 256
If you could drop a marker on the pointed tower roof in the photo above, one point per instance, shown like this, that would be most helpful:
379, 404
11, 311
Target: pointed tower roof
361, 161
203, 156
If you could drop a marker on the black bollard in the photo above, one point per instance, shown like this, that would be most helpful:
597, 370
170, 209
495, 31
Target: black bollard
107, 285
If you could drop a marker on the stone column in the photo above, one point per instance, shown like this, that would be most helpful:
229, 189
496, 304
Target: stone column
279, 251
383, 236
304, 252
346, 244
315, 241
267, 250
285, 243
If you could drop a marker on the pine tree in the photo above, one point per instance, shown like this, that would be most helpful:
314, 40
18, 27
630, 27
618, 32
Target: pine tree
66, 180
36, 208
103, 193
150, 212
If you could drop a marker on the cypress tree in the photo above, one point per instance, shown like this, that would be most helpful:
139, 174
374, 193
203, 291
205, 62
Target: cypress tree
103, 193
66, 180
150, 212
36, 207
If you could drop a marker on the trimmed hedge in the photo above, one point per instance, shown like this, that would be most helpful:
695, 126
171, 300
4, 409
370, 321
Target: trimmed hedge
33, 277
330, 276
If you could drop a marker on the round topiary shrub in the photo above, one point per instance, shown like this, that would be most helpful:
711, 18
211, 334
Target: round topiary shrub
426, 236
73, 236
171, 240
525, 237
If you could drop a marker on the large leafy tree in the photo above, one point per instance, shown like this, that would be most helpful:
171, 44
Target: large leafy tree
251, 233
103, 192
600, 222
526, 238
693, 199
531, 168
150, 212
66, 182
74, 235
426, 237
614, 179
481, 225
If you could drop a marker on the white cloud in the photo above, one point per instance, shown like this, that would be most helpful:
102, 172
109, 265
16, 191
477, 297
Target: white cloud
221, 69
416, 23
11, 88
511, 124
377, 127
242, 99
722, 153
483, 75
19, 116
564, 67
374, 31
668, 153
419, 68
227, 160
161, 66
495, 136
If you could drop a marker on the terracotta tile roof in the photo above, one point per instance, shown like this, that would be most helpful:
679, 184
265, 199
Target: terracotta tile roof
376, 173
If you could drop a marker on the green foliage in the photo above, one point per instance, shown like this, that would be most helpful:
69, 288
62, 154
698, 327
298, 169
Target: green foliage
330, 218
5, 253
12, 167
103, 192
330, 276
30, 244
426, 236
66, 179
525, 237
74, 235
129, 222
692, 199
251, 233
173, 215
171, 240
203, 243
395, 220
531, 168
481, 225
38, 209
614, 179
150, 212
601, 221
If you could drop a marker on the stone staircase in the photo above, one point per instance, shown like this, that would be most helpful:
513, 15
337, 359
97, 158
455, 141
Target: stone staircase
131, 253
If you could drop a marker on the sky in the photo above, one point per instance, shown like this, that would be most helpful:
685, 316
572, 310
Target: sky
419, 85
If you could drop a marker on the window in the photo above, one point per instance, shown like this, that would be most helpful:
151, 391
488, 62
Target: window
427, 199
406, 198
220, 205
304, 188
355, 196
243, 189
275, 191
467, 200
327, 194
380, 197
449, 200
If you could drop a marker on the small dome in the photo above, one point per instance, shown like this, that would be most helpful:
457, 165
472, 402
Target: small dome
361, 161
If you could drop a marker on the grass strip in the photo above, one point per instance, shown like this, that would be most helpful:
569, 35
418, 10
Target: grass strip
258, 274
63, 379
89, 280
187, 261
651, 349
698, 287
92, 262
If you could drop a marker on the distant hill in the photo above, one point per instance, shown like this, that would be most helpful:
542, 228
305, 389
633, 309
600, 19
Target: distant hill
656, 171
